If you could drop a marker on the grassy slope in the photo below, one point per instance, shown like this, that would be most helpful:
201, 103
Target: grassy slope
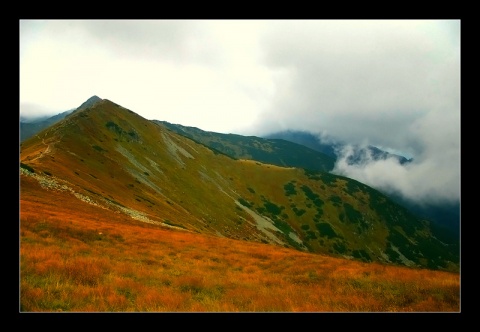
117, 159
77, 257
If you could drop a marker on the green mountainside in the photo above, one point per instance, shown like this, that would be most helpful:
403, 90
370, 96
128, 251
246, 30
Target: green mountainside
273, 151
110, 156
305, 150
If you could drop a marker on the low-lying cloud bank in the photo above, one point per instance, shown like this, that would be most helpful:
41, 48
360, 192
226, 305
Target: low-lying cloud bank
427, 179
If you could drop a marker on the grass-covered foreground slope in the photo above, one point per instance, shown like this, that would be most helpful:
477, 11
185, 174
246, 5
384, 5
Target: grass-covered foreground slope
110, 157
78, 257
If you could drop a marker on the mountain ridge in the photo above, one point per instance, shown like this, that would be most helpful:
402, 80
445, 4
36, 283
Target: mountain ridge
274, 151
331, 148
113, 157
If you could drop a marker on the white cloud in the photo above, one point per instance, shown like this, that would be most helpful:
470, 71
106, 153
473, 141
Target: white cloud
393, 84
434, 174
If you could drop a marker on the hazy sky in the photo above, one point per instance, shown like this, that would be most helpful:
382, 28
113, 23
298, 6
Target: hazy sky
393, 84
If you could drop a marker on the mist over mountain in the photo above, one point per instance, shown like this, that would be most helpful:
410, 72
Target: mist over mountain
35, 118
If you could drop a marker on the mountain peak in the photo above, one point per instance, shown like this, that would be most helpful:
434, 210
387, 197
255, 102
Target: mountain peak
89, 102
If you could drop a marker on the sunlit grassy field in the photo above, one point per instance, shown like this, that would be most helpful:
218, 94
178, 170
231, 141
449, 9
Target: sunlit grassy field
75, 257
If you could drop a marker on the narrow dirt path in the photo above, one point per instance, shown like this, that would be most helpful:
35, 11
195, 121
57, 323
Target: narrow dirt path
44, 152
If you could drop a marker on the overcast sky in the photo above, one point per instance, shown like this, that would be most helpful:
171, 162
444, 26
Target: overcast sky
393, 84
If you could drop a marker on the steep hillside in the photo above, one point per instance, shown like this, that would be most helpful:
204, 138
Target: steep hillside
111, 157
273, 151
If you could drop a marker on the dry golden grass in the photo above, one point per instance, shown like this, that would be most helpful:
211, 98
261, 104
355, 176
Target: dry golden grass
75, 257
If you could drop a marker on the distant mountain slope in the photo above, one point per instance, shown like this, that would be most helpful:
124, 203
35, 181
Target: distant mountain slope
30, 128
307, 139
273, 151
444, 215
312, 141
110, 156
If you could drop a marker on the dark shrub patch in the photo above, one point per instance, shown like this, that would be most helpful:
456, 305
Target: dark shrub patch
352, 187
312, 196
326, 230
328, 178
314, 175
298, 212
133, 134
283, 226
114, 127
290, 189
352, 215
98, 148
311, 235
339, 247
261, 210
273, 208
361, 254
392, 255
336, 200
244, 202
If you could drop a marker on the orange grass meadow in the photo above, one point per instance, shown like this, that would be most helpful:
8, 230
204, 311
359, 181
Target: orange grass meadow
93, 260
